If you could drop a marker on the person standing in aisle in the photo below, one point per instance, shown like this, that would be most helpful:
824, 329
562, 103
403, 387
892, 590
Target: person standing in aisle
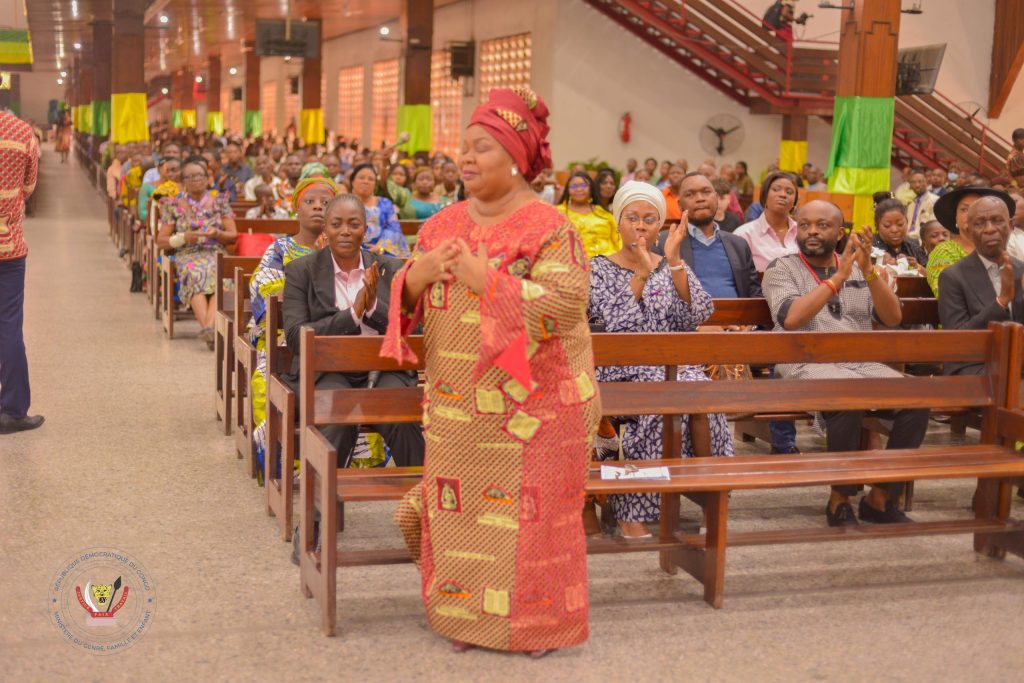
19, 165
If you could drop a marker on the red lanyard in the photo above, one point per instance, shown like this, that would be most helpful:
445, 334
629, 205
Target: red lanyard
811, 268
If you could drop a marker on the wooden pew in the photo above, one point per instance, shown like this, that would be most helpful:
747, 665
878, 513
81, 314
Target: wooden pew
994, 462
410, 227
223, 327
242, 206
267, 226
245, 363
281, 428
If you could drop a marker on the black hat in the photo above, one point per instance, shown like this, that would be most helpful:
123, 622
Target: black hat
945, 208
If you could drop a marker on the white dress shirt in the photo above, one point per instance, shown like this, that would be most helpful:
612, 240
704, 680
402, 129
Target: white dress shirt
346, 288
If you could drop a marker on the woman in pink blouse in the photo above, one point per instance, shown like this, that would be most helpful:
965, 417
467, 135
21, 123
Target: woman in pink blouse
773, 234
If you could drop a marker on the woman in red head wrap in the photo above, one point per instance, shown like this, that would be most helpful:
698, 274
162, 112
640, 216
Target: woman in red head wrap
500, 283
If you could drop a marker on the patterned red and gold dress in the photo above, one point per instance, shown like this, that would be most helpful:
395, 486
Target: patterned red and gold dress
509, 416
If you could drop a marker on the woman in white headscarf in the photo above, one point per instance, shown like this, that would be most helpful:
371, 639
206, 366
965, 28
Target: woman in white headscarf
634, 290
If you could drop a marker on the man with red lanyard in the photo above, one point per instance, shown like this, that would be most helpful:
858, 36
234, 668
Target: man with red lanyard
19, 164
817, 290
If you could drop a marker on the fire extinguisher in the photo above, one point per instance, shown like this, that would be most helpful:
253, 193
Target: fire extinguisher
624, 124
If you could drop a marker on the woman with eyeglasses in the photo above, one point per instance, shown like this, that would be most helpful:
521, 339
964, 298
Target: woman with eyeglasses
196, 226
595, 224
635, 290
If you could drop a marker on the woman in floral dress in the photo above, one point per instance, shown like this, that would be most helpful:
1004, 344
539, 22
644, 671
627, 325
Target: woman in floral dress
634, 290
196, 225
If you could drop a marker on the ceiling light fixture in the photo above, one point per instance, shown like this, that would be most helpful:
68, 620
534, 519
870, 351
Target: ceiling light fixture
233, 71
199, 79
77, 46
60, 81
163, 91
164, 18
287, 58
385, 31
63, 74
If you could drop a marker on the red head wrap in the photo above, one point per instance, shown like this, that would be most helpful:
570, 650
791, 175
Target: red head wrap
518, 120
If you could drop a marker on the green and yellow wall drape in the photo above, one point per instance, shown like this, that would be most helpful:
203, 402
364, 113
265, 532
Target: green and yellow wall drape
792, 155
215, 122
418, 121
128, 117
15, 47
101, 118
861, 151
183, 118
253, 123
311, 126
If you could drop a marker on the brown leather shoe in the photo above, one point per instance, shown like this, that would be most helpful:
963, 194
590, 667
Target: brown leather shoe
591, 524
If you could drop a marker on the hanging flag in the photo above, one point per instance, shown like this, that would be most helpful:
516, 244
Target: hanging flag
15, 47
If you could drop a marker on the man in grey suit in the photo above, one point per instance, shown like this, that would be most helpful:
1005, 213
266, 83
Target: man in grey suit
720, 260
988, 284
346, 290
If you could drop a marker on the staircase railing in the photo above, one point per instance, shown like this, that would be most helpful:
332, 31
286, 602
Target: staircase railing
729, 46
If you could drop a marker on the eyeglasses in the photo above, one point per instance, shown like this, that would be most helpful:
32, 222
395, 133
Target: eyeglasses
194, 176
633, 219
579, 186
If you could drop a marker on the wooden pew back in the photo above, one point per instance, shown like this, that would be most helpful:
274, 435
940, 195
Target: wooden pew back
267, 226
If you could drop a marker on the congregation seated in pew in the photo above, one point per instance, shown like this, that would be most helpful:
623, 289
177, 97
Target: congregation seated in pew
816, 290
268, 204
345, 289
635, 290
383, 232
951, 211
985, 286
196, 226
773, 233
311, 197
891, 236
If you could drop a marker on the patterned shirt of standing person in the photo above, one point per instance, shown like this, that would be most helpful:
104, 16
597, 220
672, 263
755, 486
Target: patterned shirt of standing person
20, 156
196, 264
511, 404
268, 281
614, 307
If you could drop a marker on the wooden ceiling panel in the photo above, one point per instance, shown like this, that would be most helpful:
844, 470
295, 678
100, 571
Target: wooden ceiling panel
194, 28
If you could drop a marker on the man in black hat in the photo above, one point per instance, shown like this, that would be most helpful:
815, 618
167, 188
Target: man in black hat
986, 285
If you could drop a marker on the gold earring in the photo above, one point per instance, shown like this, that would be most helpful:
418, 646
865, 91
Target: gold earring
515, 171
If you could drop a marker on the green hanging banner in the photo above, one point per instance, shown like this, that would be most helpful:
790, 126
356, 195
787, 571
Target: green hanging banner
418, 121
862, 133
101, 118
253, 123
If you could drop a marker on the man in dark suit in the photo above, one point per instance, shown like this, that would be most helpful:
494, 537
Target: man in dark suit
346, 290
720, 260
986, 285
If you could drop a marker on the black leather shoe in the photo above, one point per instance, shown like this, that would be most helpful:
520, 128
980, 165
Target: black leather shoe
784, 451
891, 514
843, 516
8, 425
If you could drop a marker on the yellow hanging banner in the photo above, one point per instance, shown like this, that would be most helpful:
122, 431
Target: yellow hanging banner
792, 155
128, 113
863, 211
215, 122
188, 118
85, 118
312, 126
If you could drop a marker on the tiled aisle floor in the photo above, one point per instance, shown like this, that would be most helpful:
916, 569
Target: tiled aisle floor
131, 457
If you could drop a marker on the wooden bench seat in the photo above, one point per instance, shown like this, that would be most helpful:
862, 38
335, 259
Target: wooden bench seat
223, 328
281, 425
993, 464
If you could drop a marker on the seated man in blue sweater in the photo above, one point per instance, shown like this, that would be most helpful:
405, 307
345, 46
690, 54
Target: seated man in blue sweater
723, 264
721, 260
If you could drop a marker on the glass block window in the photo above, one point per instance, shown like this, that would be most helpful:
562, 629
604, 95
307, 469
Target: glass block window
291, 110
505, 63
385, 101
350, 102
268, 105
446, 101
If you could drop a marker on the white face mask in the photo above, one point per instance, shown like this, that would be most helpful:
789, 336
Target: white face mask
953, 177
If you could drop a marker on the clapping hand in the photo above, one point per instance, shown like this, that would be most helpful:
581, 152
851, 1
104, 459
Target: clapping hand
863, 238
369, 291
471, 269
1007, 285
676, 235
